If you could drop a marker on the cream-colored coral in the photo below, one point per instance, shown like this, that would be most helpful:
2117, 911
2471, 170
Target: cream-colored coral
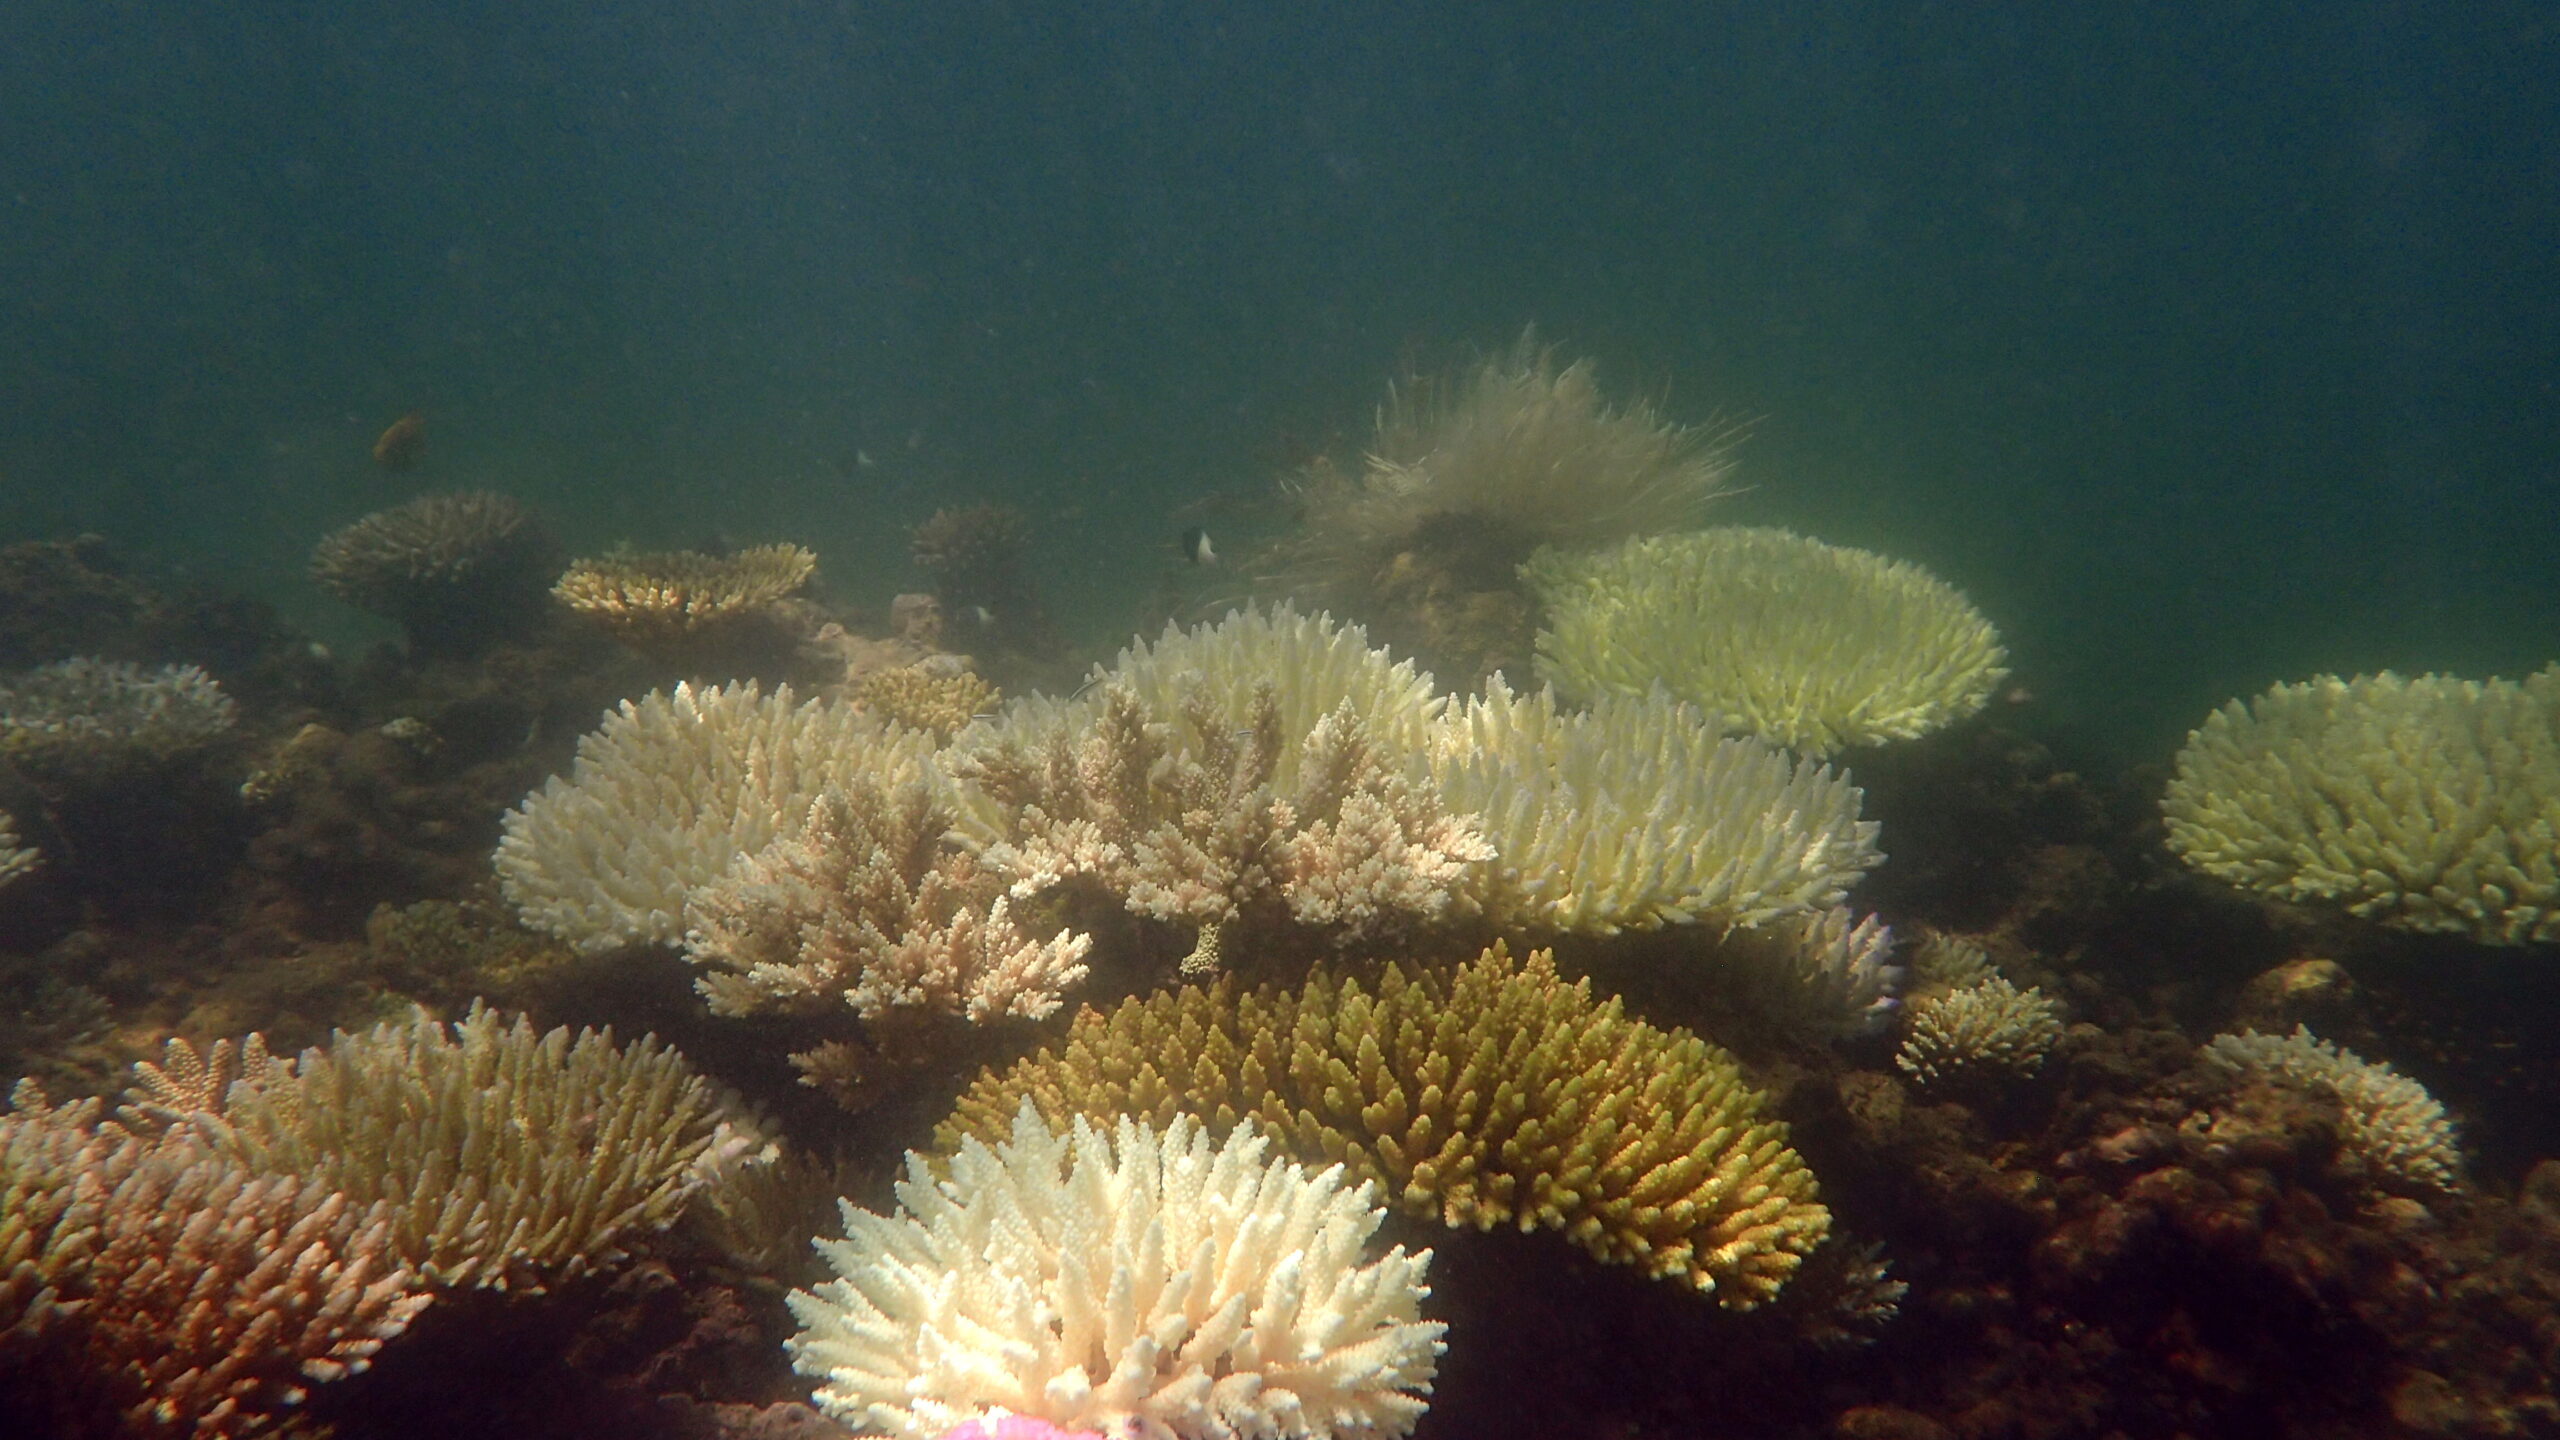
1944, 960
1823, 973
671, 791
657, 598
16, 860
921, 697
1977, 1029
1131, 1281
866, 906
1310, 665
1518, 447
2428, 804
1817, 647
511, 1157
1637, 814
1195, 823
1494, 1095
2387, 1119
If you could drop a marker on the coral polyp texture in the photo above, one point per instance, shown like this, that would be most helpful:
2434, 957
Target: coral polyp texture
1194, 823
867, 907
1494, 1095
437, 560
1518, 447
668, 596
510, 1157
1637, 814
922, 697
2386, 1119
1816, 647
16, 860
668, 793
165, 1288
2429, 804
1134, 1280
1986, 1029
85, 719
1312, 666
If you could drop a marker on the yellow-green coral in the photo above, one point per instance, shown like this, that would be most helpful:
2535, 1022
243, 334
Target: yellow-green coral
1814, 646
1494, 1094
2428, 804
655, 598
509, 1156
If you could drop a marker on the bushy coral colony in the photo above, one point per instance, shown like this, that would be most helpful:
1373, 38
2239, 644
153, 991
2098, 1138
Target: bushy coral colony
1473, 1007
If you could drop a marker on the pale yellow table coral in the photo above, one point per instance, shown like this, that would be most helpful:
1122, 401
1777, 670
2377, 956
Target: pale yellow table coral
1817, 647
2428, 804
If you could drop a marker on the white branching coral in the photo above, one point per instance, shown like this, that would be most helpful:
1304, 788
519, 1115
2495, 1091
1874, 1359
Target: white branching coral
16, 860
83, 719
511, 1156
2428, 804
1817, 647
1310, 666
1987, 1027
1636, 815
2385, 1118
669, 793
1225, 815
1126, 1282
867, 906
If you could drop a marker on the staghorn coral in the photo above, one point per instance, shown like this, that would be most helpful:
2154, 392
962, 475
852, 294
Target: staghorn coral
1824, 974
2428, 804
2385, 1118
1496, 1094
671, 790
1816, 647
662, 599
1636, 815
511, 1157
16, 860
1515, 453
85, 722
865, 906
1212, 822
1139, 1281
1983, 1028
449, 568
921, 697
158, 1286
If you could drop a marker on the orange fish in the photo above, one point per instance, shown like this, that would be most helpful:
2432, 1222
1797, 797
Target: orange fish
404, 443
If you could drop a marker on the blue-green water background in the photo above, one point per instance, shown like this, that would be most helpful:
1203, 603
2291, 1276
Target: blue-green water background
2204, 346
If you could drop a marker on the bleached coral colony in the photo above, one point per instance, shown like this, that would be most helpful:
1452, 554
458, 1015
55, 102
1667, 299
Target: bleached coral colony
1127, 1279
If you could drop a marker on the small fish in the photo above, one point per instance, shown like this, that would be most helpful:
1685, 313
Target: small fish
985, 617
403, 443
1197, 549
